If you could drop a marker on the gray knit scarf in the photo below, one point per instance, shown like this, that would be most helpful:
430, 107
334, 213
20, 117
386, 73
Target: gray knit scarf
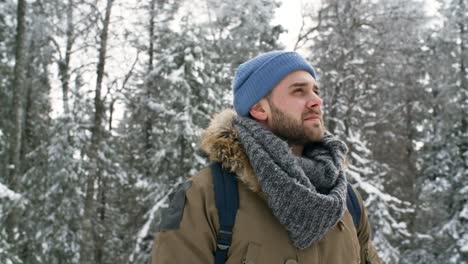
306, 194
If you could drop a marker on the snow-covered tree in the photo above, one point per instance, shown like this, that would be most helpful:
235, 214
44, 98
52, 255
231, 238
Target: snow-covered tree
188, 81
444, 158
369, 101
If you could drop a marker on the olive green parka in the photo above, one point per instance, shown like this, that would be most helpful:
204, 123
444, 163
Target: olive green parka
258, 237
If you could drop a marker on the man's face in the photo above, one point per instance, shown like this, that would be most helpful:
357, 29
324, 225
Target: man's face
295, 109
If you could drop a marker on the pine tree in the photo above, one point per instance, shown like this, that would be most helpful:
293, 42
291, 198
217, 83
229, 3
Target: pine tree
357, 47
190, 81
91, 239
444, 156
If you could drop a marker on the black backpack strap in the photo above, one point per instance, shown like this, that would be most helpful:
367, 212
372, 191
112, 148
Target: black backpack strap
227, 203
353, 206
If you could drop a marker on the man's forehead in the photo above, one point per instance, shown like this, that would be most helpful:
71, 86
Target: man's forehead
299, 77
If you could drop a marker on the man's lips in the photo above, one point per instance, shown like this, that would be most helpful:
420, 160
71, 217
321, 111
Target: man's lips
312, 117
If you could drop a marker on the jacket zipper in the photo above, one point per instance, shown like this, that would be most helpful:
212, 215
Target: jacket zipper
367, 256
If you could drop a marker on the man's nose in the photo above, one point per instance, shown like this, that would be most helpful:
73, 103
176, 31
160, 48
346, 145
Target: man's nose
314, 101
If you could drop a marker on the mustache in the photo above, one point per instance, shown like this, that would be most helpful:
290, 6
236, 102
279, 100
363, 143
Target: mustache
312, 112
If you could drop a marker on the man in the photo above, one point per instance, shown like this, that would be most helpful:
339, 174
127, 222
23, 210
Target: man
292, 185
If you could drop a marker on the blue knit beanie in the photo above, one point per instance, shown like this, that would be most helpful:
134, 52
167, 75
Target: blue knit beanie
256, 77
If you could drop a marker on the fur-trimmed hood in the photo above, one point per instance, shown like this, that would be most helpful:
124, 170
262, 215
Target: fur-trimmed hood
220, 142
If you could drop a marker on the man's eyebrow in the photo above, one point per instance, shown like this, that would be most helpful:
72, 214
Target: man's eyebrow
302, 84
298, 84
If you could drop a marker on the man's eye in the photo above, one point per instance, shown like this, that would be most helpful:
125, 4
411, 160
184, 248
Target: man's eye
317, 92
297, 91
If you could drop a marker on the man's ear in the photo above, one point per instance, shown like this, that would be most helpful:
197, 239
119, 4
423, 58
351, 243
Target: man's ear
260, 110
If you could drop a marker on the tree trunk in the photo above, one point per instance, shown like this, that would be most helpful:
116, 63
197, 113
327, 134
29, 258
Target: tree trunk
464, 86
88, 243
151, 34
409, 180
100, 236
64, 66
332, 116
111, 114
18, 108
148, 124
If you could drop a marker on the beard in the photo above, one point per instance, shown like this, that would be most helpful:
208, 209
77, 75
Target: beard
294, 131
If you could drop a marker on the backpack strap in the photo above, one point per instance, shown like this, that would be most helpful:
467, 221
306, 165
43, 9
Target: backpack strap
227, 203
353, 206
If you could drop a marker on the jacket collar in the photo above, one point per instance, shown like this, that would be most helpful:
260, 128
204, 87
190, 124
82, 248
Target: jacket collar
220, 142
